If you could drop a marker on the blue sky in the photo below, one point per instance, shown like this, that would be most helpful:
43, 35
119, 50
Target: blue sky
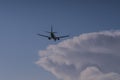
20, 21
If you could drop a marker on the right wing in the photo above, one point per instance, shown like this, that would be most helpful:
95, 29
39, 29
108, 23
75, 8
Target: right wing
43, 35
63, 36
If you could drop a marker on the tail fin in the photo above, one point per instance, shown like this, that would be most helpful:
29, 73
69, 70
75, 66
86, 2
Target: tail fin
51, 28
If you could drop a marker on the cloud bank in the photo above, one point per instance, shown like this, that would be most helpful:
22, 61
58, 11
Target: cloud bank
90, 56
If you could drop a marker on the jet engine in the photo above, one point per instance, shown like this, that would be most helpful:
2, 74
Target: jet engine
49, 38
58, 38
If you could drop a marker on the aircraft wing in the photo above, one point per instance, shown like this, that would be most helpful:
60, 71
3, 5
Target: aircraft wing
63, 36
43, 35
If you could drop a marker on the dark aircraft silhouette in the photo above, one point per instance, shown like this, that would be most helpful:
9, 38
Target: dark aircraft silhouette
52, 35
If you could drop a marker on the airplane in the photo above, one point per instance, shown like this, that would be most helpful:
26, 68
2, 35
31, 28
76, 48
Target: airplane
52, 35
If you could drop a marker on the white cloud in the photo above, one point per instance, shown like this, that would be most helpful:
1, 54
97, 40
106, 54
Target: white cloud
93, 73
72, 58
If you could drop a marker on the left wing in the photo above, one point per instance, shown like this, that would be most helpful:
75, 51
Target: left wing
43, 35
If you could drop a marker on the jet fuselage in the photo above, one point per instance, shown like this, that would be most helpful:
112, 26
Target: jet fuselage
53, 36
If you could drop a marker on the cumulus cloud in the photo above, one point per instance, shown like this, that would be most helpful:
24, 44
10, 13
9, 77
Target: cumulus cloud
90, 56
93, 73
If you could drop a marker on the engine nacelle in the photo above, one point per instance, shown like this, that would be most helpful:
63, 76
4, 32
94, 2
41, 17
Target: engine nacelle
58, 38
49, 38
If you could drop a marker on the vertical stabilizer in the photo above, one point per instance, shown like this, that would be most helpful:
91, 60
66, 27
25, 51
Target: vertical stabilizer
51, 28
